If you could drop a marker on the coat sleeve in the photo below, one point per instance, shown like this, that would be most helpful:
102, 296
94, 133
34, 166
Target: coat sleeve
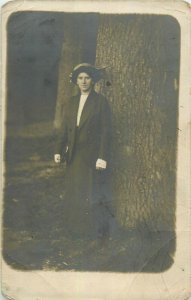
62, 138
105, 138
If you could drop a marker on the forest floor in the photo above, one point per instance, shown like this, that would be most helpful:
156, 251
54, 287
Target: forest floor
33, 233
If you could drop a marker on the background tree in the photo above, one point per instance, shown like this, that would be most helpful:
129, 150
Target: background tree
79, 45
142, 55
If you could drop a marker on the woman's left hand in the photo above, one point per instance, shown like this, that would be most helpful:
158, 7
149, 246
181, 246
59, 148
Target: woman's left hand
101, 164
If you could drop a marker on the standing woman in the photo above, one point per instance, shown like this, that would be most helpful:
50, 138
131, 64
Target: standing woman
84, 143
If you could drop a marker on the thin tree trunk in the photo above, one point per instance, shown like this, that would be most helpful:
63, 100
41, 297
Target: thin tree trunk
71, 55
79, 45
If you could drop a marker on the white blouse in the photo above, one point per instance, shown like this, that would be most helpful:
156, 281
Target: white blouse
83, 99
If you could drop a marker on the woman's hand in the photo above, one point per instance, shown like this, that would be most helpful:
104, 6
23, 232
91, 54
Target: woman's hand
101, 164
57, 158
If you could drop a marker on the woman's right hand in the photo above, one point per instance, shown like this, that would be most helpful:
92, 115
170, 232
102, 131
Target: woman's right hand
57, 158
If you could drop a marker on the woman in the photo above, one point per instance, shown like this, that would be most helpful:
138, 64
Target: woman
84, 143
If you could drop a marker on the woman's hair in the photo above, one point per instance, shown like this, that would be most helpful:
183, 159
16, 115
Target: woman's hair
88, 72
93, 72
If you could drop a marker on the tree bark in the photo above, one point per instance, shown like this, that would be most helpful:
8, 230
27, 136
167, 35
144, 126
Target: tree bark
142, 55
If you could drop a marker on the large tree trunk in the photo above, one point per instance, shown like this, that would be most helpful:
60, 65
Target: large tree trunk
142, 53
79, 45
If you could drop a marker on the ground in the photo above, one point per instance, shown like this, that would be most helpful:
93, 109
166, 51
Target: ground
34, 236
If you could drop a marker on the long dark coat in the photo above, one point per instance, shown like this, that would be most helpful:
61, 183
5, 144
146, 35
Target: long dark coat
87, 192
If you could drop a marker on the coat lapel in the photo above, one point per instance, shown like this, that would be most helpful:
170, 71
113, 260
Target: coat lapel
75, 110
73, 114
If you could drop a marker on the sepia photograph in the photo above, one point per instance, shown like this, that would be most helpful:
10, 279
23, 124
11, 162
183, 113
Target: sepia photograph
91, 141
91, 137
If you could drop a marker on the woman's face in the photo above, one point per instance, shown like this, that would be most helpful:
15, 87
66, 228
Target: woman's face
85, 82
